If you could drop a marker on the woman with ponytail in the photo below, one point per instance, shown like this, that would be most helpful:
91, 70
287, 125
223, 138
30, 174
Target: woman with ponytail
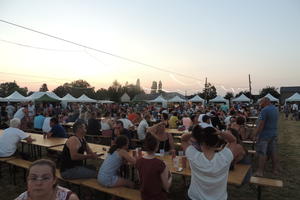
118, 154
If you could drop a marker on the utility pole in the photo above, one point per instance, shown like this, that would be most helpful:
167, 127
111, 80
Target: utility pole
250, 86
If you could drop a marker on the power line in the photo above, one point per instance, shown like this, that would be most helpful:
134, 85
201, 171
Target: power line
35, 47
100, 51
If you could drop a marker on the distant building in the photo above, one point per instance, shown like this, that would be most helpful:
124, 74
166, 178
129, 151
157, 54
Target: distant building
286, 92
148, 97
125, 98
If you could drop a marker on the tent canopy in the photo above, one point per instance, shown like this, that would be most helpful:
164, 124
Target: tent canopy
69, 98
176, 99
196, 99
272, 99
46, 98
104, 101
15, 97
125, 98
37, 95
241, 98
218, 99
85, 99
158, 99
294, 98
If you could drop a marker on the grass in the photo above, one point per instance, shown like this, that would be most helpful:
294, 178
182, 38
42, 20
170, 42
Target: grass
289, 156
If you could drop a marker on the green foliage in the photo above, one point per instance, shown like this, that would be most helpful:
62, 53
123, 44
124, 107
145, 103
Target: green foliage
272, 90
44, 88
228, 95
8, 88
76, 89
209, 92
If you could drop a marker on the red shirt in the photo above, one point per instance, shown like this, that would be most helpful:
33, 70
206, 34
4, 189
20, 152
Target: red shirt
149, 172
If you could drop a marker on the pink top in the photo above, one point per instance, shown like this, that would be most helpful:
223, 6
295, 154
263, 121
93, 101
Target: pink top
187, 122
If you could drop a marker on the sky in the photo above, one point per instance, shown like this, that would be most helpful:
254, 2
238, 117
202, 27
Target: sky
182, 42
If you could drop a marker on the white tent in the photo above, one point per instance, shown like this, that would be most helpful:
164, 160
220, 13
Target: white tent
69, 98
85, 99
15, 97
196, 99
104, 101
218, 99
37, 95
158, 99
176, 99
125, 97
295, 97
272, 99
241, 98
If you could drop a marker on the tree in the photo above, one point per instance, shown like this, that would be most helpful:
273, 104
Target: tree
102, 94
115, 91
8, 88
209, 92
272, 90
61, 91
228, 95
80, 84
159, 87
76, 89
153, 87
44, 88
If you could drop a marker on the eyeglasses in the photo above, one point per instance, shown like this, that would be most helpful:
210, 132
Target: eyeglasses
43, 179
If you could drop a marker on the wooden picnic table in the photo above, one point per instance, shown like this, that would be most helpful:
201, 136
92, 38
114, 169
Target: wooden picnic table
174, 131
39, 140
98, 148
235, 176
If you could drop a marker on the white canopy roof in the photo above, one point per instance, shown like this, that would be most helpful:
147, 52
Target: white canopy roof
241, 98
125, 97
37, 95
69, 98
176, 99
158, 99
196, 99
15, 97
104, 101
294, 97
84, 98
218, 99
273, 99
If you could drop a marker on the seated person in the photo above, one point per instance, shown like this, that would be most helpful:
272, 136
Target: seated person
166, 141
173, 120
73, 155
42, 183
120, 130
117, 155
56, 129
38, 121
142, 128
154, 175
94, 126
209, 167
11, 137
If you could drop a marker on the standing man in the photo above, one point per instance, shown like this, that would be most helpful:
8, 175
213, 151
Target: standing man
266, 136
73, 155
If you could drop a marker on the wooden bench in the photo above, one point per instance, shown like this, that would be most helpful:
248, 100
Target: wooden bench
123, 192
18, 162
264, 182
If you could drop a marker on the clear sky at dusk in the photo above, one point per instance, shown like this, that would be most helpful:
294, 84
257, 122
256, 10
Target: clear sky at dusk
222, 40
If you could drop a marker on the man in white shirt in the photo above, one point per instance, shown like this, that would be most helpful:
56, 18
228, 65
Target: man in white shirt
31, 110
10, 109
20, 114
11, 137
127, 124
206, 122
142, 128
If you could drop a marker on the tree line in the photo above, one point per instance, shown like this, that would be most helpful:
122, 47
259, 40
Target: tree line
116, 90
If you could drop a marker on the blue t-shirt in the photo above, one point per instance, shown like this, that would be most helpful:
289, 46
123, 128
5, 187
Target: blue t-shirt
38, 121
58, 131
269, 115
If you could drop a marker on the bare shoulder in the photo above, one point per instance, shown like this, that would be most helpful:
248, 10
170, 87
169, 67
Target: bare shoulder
73, 196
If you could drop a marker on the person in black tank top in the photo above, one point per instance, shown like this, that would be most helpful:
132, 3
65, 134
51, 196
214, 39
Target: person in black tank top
73, 155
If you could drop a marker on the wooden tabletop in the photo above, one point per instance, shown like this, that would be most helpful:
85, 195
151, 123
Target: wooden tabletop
45, 142
235, 176
174, 131
69, 124
98, 148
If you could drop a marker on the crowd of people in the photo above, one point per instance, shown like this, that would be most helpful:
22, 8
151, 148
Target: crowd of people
212, 143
